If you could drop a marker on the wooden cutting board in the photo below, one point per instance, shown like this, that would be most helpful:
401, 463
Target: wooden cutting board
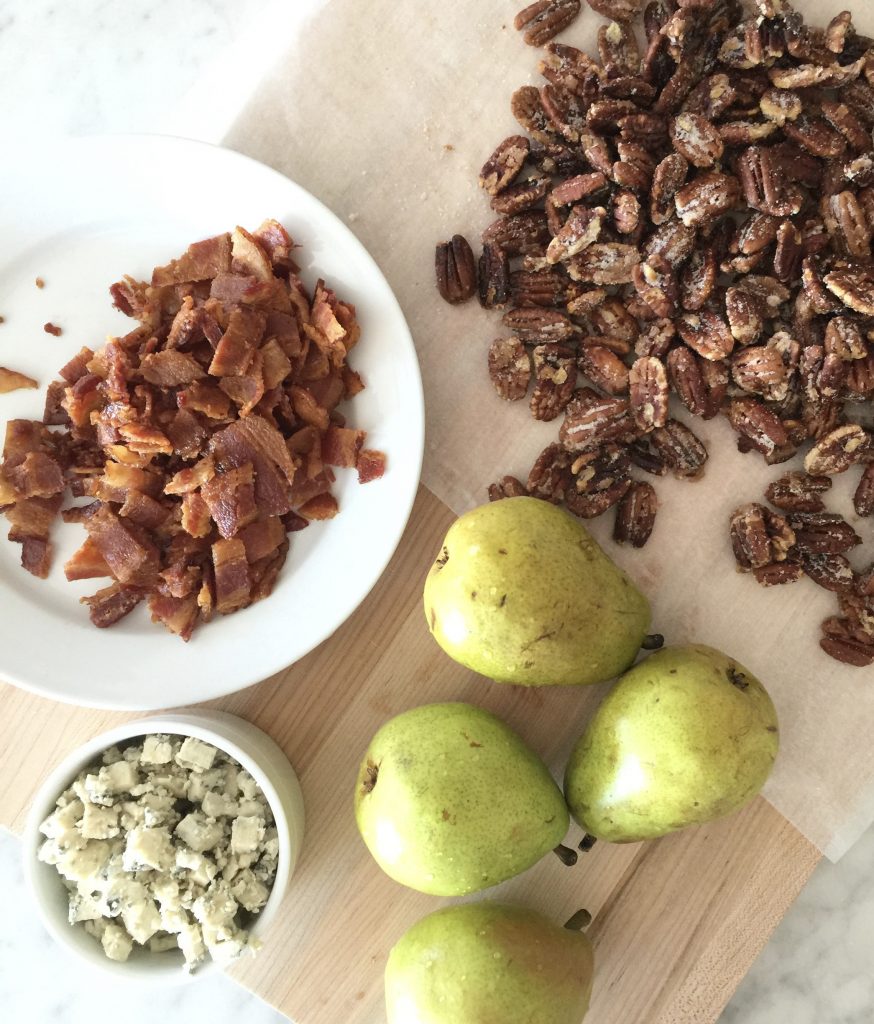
677, 922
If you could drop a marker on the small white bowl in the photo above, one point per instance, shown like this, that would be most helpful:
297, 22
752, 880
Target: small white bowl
244, 742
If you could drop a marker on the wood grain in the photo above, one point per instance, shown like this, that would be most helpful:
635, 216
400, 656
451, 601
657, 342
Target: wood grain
677, 922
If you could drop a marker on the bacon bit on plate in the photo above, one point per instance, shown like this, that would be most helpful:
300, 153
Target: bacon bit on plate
39, 282
11, 380
51, 328
204, 436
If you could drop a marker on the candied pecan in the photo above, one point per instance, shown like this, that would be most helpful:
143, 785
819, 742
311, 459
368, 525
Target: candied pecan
509, 368
817, 136
618, 50
840, 117
535, 326
604, 264
503, 166
656, 284
822, 533
520, 197
845, 218
527, 107
600, 469
781, 105
592, 420
745, 313
519, 235
760, 371
841, 448
585, 301
759, 231
681, 450
820, 298
860, 379
618, 10
579, 187
798, 492
698, 279
806, 75
854, 286
551, 475
687, 380
556, 157
604, 369
597, 151
863, 498
848, 651
572, 69
626, 212
628, 87
711, 97
547, 287
636, 515
656, 339
765, 185
778, 573
673, 241
843, 337
707, 197
542, 20
555, 377
580, 230
789, 253
706, 333
750, 540
566, 111
744, 133
696, 138
494, 277
507, 487
829, 571
758, 426
592, 505
644, 457
613, 319
648, 393
456, 270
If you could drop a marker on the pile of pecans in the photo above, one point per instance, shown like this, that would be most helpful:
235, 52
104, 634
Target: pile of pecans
693, 217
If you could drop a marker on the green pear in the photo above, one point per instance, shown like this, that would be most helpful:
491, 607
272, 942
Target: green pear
449, 800
686, 736
488, 963
521, 593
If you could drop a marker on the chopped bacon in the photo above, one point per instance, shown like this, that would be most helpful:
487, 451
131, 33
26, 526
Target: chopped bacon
36, 556
178, 614
128, 553
352, 382
187, 325
237, 347
196, 519
248, 256
328, 391
191, 478
187, 434
32, 517
129, 296
38, 476
277, 243
303, 490
322, 506
262, 538
12, 380
171, 368
119, 478
23, 437
82, 398
307, 408
294, 523
201, 262
265, 572
341, 446
79, 513
126, 457
145, 439
54, 414
107, 606
87, 563
284, 328
77, 367
205, 398
51, 328
8, 494
143, 510
232, 581
371, 465
180, 580
230, 498
276, 364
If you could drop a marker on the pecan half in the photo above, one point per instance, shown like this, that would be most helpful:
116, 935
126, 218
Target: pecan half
604, 264
503, 166
604, 369
854, 286
542, 20
822, 533
509, 368
494, 277
841, 448
798, 492
536, 326
618, 50
636, 515
680, 449
761, 371
551, 475
507, 487
707, 198
523, 196
758, 427
581, 186
863, 499
843, 337
697, 139
456, 270
580, 230
746, 314
667, 178
829, 571
698, 279
527, 107
555, 377
618, 10
520, 235
648, 393
848, 651
706, 333
749, 537
778, 573
592, 420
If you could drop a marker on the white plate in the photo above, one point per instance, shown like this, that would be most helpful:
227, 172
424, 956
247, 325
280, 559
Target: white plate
79, 216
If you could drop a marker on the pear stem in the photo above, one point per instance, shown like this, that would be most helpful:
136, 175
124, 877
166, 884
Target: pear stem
653, 642
566, 855
578, 921
587, 842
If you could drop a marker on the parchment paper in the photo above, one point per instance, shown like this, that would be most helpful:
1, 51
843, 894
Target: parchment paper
386, 109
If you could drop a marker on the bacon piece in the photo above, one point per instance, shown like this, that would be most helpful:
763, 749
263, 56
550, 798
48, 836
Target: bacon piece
187, 434
86, 563
303, 490
276, 364
82, 398
327, 392
178, 614
186, 326
341, 446
126, 457
127, 552
352, 382
180, 580
307, 408
171, 368
38, 476
36, 556
232, 581
143, 510
118, 479
23, 437
12, 380
51, 328
254, 440
145, 439
202, 261
322, 506
32, 517
247, 390
371, 465
107, 606
277, 243
262, 538
294, 523
230, 498
196, 519
205, 398
237, 347
8, 494
187, 480
54, 414
129, 296
249, 257
265, 572
284, 328
77, 367
79, 513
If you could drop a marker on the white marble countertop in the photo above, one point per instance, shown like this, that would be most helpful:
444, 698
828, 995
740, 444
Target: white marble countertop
97, 66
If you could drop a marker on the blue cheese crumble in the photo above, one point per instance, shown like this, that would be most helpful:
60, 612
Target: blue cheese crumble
166, 844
